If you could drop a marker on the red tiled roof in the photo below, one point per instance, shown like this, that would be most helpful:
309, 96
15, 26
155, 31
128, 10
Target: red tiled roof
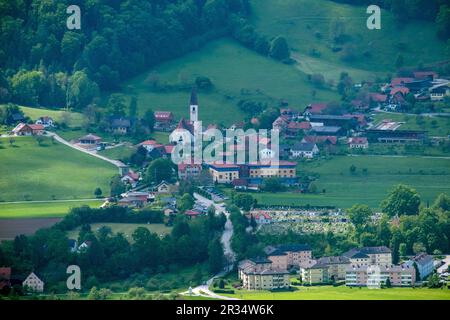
400, 81
36, 126
357, 140
304, 125
317, 107
163, 115
192, 213
168, 148
402, 90
182, 166
5, 273
377, 97
320, 139
148, 143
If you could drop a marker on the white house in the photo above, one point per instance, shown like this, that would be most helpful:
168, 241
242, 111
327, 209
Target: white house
45, 121
304, 150
33, 283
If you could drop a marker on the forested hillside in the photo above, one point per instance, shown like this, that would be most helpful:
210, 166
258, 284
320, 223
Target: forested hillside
41, 60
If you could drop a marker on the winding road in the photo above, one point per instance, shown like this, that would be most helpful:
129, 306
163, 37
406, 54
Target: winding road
203, 290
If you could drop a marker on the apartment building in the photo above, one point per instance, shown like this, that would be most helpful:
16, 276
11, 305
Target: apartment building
289, 255
369, 256
424, 263
224, 173
375, 276
337, 266
260, 274
282, 169
316, 273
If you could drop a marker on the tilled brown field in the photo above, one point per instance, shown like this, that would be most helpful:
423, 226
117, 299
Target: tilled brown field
9, 228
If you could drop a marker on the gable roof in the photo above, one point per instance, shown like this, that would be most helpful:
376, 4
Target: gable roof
304, 146
357, 140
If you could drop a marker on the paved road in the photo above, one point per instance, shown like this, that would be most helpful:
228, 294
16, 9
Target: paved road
429, 114
203, 290
117, 163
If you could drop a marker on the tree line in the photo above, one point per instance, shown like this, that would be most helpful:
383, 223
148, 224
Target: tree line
111, 256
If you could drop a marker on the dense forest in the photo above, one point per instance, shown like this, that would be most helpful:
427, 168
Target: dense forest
44, 63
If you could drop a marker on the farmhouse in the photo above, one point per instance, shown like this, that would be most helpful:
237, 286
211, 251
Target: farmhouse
163, 117
120, 125
23, 129
33, 283
89, 139
46, 121
304, 150
327, 130
358, 143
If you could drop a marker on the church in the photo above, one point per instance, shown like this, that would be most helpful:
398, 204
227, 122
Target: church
185, 128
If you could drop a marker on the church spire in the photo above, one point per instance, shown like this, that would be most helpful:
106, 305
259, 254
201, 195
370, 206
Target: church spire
194, 99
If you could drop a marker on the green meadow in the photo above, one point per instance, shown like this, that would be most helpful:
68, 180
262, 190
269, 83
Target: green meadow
308, 24
436, 126
50, 171
345, 293
429, 176
47, 209
236, 73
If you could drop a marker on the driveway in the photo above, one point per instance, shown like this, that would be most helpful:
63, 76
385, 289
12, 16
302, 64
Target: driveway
117, 163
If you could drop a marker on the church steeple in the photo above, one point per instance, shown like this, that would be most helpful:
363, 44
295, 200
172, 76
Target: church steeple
193, 106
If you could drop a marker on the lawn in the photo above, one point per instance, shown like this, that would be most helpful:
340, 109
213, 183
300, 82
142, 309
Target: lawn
307, 24
75, 118
126, 228
231, 68
436, 126
51, 171
429, 176
345, 293
48, 209
119, 153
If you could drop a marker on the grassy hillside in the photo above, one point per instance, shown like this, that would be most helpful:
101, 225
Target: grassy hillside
429, 176
307, 24
52, 170
75, 118
231, 68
